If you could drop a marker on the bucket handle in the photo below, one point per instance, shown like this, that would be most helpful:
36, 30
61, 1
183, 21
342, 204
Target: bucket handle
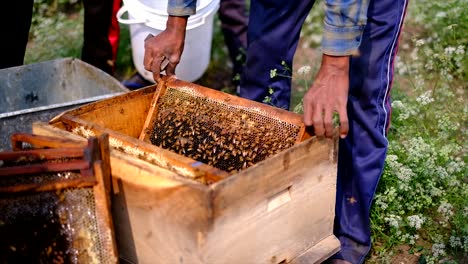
201, 20
122, 11
193, 24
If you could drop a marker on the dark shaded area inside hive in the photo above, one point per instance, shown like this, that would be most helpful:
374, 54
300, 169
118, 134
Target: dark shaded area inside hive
31, 231
41, 178
227, 137
30, 160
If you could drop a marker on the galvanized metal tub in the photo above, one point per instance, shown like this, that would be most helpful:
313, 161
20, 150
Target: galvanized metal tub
40, 91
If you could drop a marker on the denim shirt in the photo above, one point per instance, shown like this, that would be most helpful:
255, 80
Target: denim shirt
181, 7
343, 24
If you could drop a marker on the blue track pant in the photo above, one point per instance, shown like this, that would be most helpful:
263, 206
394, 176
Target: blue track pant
273, 34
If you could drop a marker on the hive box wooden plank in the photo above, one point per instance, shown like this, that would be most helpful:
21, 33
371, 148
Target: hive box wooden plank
280, 210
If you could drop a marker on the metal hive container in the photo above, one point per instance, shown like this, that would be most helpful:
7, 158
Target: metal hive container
40, 91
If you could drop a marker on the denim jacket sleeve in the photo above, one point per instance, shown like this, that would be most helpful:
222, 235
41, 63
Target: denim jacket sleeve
344, 23
181, 7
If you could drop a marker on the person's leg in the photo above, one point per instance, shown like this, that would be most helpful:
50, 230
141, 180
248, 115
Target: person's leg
233, 17
15, 22
100, 34
273, 34
362, 153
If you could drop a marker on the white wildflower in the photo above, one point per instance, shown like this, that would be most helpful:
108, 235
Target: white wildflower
455, 167
455, 242
453, 182
404, 115
418, 149
405, 237
379, 201
304, 70
429, 65
401, 67
449, 50
392, 158
315, 38
414, 53
455, 164
441, 14
411, 239
436, 192
419, 81
398, 104
446, 124
405, 174
438, 250
441, 172
446, 209
419, 17
393, 220
382, 205
420, 42
425, 98
460, 50
273, 73
415, 221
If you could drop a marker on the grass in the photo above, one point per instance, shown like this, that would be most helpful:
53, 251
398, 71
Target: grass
421, 206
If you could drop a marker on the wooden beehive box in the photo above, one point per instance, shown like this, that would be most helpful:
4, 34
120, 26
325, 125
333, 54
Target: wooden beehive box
55, 201
279, 210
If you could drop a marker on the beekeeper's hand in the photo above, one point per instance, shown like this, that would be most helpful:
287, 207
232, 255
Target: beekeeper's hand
163, 52
328, 95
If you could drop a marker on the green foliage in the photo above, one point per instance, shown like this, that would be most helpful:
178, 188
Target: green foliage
422, 198
53, 7
54, 33
311, 33
124, 63
301, 81
57, 32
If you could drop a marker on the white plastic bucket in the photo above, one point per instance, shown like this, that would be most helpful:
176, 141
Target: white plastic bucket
144, 20
160, 6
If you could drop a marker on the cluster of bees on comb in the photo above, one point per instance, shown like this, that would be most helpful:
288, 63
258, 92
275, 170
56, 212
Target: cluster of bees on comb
226, 137
34, 233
